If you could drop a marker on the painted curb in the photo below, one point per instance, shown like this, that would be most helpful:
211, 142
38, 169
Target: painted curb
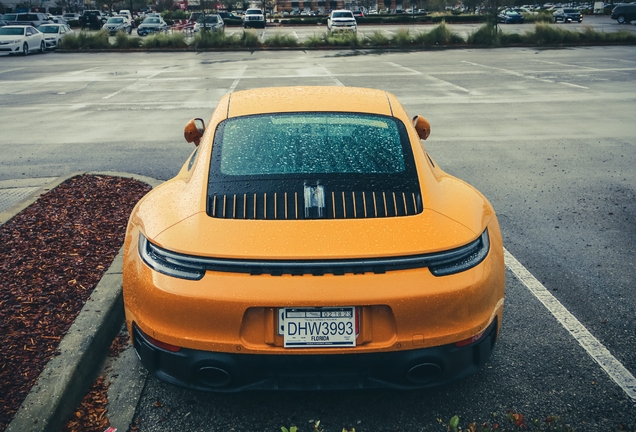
66, 377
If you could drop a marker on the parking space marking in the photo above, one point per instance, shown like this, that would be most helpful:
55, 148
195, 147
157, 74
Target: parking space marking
509, 72
11, 70
413, 71
573, 85
238, 78
332, 76
594, 348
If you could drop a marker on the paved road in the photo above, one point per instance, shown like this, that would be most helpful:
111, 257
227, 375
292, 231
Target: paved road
547, 135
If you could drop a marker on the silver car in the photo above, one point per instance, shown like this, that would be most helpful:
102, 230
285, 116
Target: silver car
117, 24
54, 33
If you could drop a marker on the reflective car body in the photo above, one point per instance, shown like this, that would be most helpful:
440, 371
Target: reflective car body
254, 17
342, 21
312, 243
212, 22
510, 16
54, 33
624, 13
152, 25
568, 15
21, 39
116, 24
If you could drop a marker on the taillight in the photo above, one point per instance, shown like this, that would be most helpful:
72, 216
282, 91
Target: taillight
163, 345
470, 340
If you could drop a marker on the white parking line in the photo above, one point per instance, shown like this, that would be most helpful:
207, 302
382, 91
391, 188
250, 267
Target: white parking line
332, 76
509, 72
11, 70
573, 85
238, 78
594, 348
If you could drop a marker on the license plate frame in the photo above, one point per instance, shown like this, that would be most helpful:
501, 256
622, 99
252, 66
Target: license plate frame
318, 327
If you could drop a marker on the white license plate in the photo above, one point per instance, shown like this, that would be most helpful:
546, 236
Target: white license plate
317, 327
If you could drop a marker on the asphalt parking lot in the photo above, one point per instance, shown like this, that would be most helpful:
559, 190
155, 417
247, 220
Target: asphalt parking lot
546, 135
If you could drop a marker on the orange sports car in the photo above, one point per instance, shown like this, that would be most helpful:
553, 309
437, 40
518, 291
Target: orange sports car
311, 242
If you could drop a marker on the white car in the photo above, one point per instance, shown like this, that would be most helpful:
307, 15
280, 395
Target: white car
54, 33
254, 18
21, 39
342, 21
126, 13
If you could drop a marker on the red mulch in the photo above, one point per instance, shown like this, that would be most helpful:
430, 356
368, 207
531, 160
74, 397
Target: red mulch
52, 255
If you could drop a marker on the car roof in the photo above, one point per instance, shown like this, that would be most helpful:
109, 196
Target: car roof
308, 99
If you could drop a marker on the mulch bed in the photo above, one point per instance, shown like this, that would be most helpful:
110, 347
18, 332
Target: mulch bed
53, 254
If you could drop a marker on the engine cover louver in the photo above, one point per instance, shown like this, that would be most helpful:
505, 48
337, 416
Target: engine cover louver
293, 205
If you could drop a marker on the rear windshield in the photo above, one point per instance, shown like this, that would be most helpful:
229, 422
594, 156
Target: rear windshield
310, 143
342, 15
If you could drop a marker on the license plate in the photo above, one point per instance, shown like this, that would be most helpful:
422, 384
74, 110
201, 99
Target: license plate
317, 327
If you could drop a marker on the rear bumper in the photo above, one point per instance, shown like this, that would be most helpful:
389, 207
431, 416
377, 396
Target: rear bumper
224, 372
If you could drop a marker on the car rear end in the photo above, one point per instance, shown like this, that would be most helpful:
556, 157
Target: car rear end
326, 259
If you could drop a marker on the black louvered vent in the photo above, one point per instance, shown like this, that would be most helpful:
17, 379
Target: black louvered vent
337, 205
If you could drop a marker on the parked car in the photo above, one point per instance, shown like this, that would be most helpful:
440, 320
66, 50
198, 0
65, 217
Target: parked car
311, 242
254, 18
566, 15
71, 16
33, 19
341, 20
509, 16
358, 14
54, 33
21, 39
92, 19
228, 15
152, 25
126, 13
212, 22
624, 13
117, 24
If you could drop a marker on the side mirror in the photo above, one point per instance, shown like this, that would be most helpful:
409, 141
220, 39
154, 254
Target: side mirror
194, 130
422, 126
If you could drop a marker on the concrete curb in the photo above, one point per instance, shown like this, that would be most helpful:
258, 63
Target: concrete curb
66, 377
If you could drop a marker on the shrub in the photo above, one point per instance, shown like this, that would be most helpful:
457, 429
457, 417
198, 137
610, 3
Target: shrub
83, 40
377, 39
402, 38
314, 41
281, 40
164, 40
249, 39
208, 39
548, 34
487, 35
122, 41
440, 35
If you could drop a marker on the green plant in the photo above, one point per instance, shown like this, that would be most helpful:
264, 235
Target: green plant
314, 41
84, 40
402, 38
341, 39
488, 35
249, 39
281, 40
291, 429
123, 41
377, 39
163, 40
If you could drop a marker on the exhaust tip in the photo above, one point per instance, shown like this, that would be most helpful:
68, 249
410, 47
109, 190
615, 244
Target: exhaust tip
213, 376
423, 373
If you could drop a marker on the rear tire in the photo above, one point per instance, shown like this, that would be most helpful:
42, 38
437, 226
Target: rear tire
25, 49
621, 19
42, 47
